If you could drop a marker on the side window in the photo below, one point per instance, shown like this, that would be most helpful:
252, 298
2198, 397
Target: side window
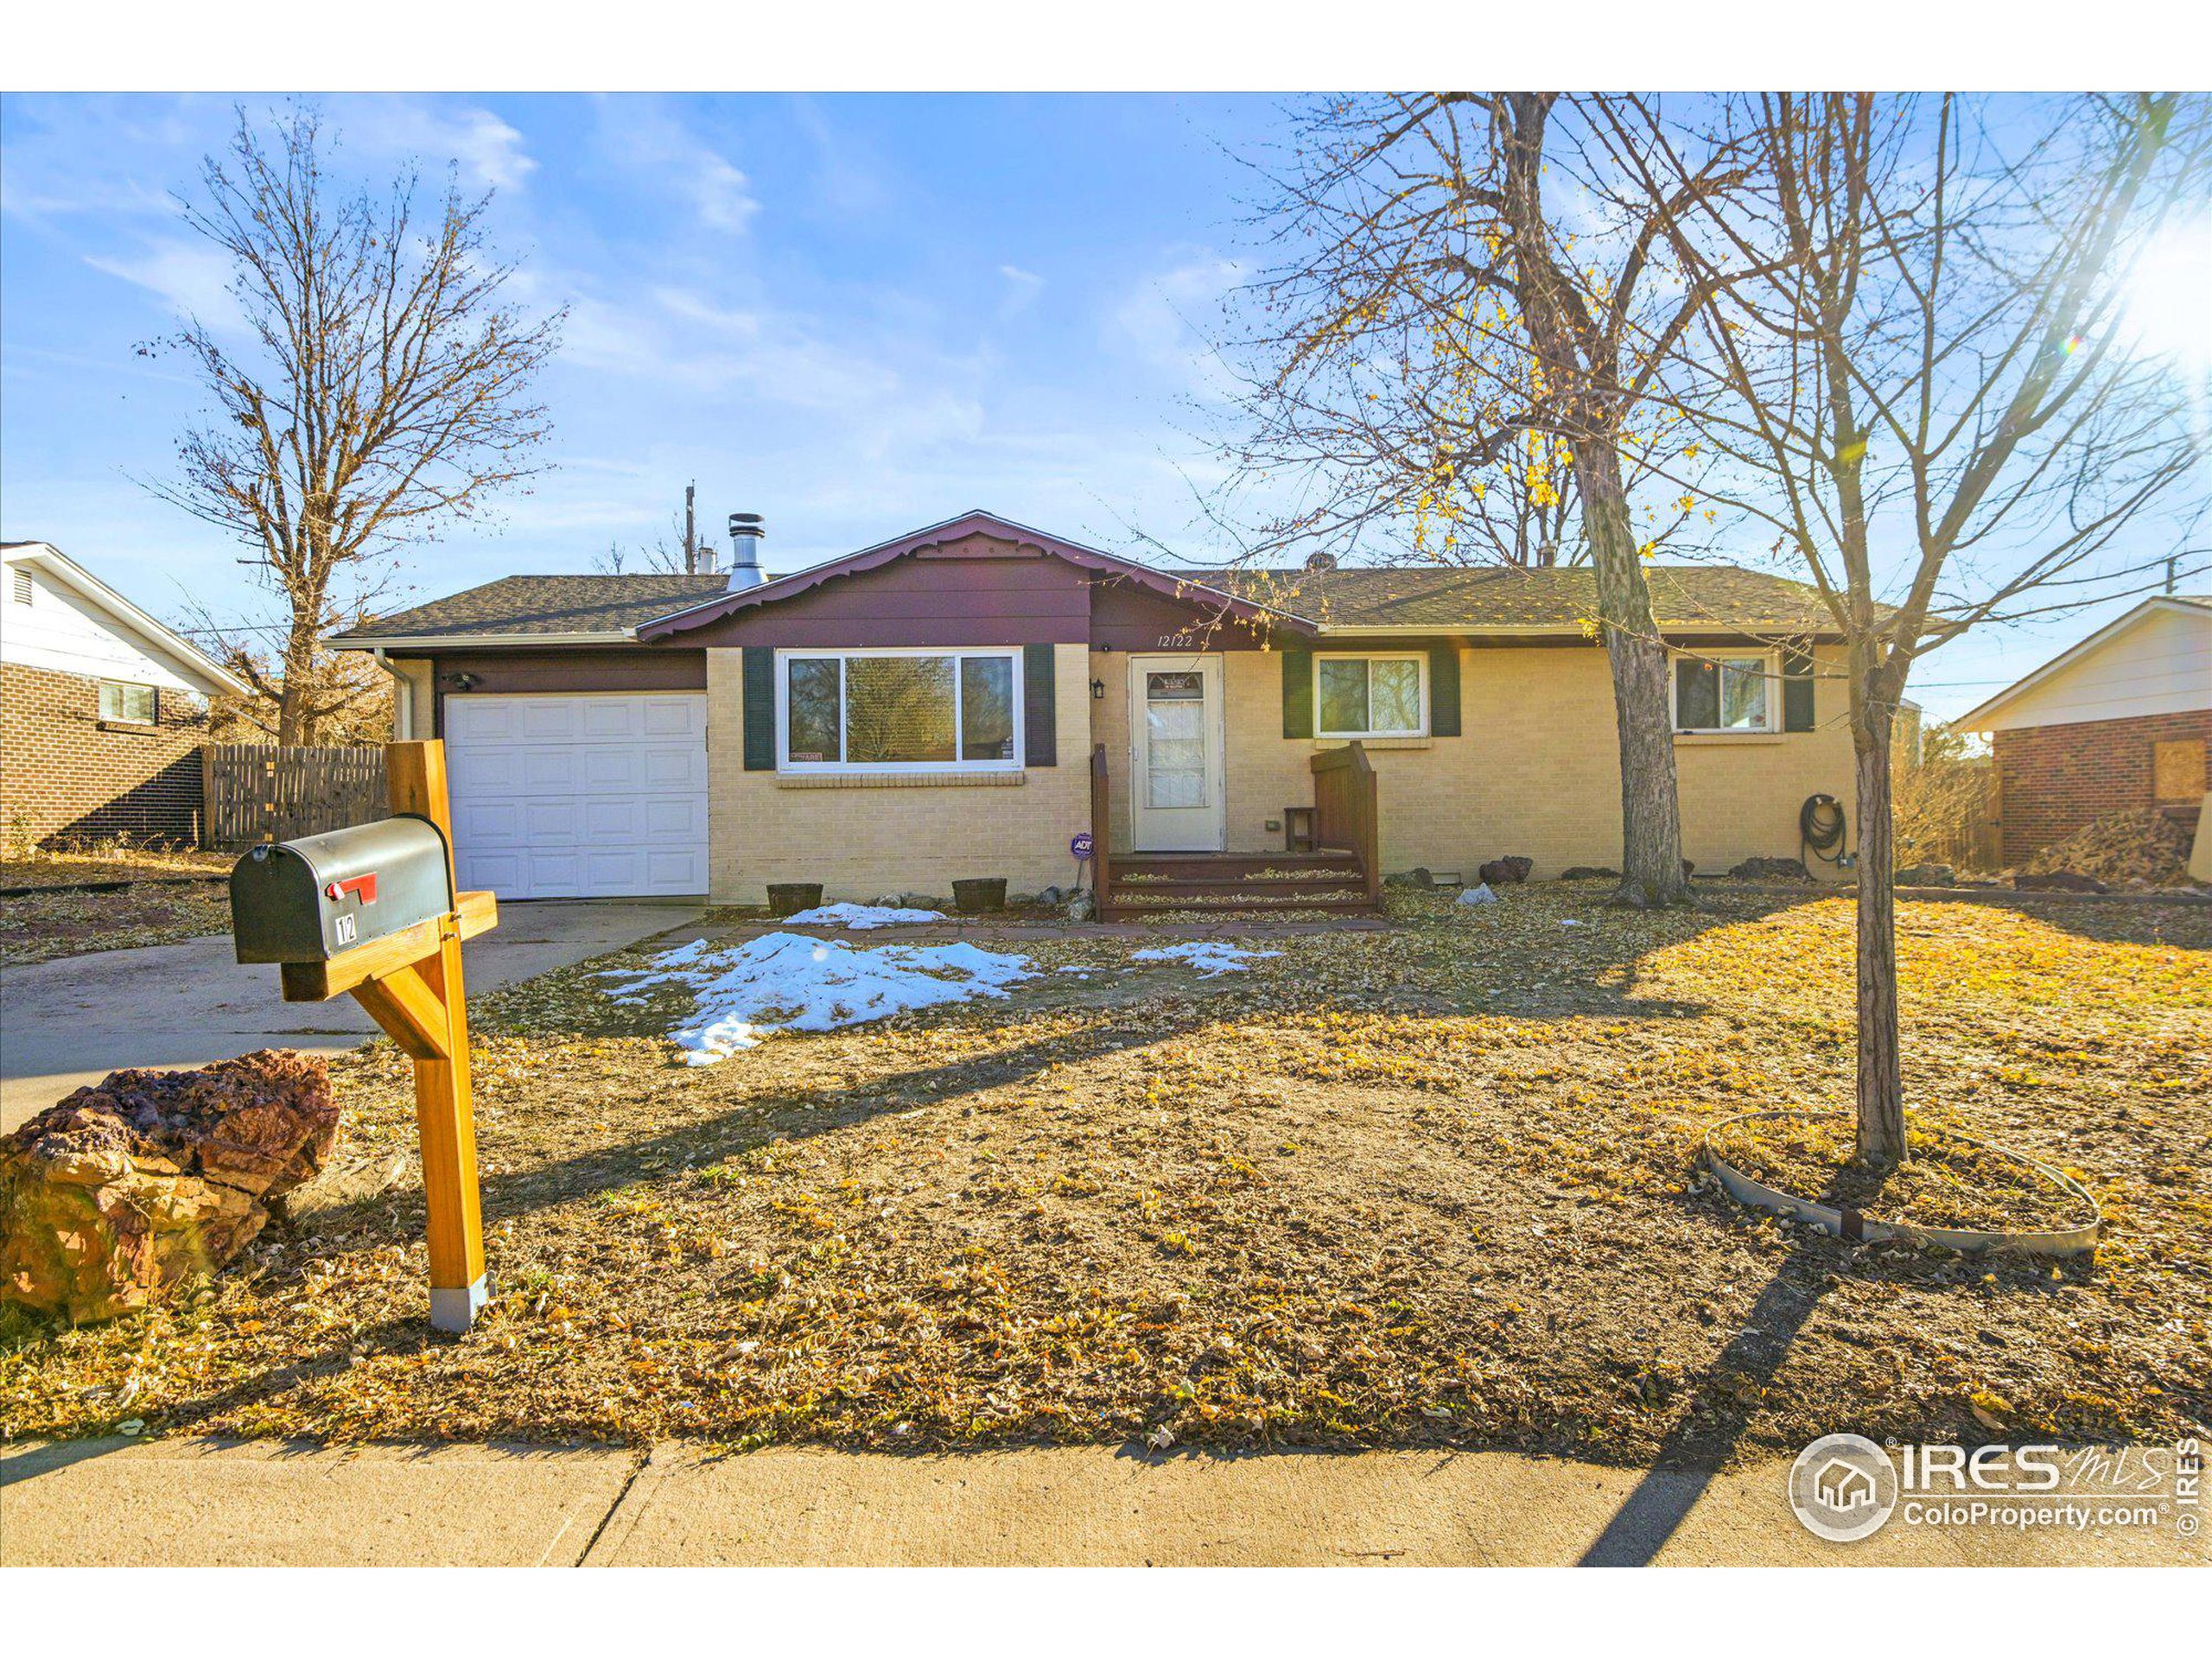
125, 704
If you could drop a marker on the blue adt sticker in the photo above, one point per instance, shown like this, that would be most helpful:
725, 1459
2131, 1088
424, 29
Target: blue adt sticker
1080, 846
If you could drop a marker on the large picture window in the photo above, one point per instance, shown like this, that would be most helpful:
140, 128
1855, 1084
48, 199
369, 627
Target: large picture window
1370, 697
872, 710
1724, 693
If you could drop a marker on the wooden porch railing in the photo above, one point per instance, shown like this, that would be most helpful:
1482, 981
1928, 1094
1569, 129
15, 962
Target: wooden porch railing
1101, 877
1346, 814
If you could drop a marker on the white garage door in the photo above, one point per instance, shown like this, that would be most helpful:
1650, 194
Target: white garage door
581, 796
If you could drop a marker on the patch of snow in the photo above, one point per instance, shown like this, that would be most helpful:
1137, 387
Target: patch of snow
787, 982
1569, 921
861, 918
1209, 956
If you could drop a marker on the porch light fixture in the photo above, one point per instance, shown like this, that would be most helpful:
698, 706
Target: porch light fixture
1099, 690
463, 681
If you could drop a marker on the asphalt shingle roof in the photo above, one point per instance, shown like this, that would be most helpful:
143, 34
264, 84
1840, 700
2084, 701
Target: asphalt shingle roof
548, 604
1684, 597
1500, 597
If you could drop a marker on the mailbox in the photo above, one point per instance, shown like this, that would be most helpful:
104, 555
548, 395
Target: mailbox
310, 899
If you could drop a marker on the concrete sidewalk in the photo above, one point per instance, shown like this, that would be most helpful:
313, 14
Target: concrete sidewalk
70, 1021
194, 1503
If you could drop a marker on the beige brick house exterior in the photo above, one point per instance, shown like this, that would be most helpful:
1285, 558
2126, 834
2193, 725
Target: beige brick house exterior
1517, 754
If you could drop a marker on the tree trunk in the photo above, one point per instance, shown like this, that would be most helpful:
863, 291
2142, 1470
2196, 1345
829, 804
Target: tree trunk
1651, 824
1881, 1077
295, 708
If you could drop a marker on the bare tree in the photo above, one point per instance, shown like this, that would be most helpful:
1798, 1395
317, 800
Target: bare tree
1936, 397
679, 552
350, 694
373, 388
1455, 357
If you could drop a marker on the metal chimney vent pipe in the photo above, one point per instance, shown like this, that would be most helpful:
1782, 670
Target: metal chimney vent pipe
744, 534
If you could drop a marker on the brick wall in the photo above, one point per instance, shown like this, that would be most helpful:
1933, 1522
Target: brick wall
64, 776
865, 838
1537, 773
2051, 780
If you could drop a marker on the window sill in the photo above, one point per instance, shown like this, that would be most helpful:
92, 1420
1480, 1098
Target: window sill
1726, 739
1374, 743
901, 780
131, 727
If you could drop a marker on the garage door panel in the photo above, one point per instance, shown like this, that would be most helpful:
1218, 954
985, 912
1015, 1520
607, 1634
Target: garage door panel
579, 796
672, 717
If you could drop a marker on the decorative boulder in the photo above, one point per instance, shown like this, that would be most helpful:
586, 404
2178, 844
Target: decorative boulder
1771, 869
1927, 876
1590, 873
1506, 872
2057, 881
111, 1198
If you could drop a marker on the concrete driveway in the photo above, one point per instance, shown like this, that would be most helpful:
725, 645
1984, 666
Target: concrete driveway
70, 1021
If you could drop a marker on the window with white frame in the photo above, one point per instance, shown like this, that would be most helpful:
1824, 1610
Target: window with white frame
883, 710
1727, 691
123, 703
1370, 696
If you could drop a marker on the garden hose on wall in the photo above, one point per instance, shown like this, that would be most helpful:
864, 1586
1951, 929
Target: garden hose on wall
1820, 829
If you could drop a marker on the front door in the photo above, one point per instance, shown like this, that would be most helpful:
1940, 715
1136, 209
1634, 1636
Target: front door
1177, 800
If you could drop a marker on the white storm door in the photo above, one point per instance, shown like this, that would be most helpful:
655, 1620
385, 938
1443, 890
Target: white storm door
1178, 800
581, 796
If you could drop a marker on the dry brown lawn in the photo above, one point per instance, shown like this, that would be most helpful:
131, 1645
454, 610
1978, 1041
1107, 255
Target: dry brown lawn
159, 909
1433, 1184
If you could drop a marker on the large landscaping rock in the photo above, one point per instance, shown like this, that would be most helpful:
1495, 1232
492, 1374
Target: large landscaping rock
112, 1197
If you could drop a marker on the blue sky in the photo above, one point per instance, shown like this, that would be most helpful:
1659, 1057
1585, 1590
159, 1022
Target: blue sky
854, 316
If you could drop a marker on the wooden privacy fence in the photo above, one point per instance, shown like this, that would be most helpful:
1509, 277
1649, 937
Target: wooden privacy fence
259, 792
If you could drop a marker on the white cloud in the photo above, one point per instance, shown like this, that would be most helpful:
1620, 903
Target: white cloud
1166, 316
651, 140
1022, 288
485, 148
191, 277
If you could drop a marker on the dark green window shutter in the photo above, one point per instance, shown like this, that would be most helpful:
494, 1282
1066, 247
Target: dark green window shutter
1298, 693
1040, 708
760, 707
1796, 690
1444, 690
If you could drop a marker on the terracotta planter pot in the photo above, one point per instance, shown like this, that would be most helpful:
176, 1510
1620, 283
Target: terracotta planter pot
984, 892
789, 898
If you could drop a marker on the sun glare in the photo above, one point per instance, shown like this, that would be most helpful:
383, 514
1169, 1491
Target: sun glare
2170, 295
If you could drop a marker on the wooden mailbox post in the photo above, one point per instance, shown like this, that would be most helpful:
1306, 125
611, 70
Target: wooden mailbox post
410, 983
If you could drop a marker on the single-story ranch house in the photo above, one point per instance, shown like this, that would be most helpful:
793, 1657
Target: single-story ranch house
935, 708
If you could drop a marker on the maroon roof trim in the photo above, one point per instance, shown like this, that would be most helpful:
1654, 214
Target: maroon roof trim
977, 523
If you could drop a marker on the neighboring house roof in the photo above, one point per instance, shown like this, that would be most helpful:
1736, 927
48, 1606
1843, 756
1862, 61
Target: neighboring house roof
579, 610
183, 658
539, 610
1511, 600
976, 522
2176, 681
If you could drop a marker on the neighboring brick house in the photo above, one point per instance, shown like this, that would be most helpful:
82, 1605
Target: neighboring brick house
103, 708
2122, 722
929, 709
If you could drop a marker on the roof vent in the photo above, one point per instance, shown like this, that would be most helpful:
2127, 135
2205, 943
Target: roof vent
744, 534
1321, 562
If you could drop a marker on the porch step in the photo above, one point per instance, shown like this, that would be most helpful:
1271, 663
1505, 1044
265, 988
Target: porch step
1146, 884
1179, 866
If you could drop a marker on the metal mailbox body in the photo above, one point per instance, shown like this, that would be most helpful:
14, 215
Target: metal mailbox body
310, 899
